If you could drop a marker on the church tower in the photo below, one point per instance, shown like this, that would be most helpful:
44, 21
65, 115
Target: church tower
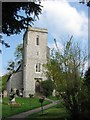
36, 53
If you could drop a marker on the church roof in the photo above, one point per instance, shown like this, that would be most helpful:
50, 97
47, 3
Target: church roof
20, 68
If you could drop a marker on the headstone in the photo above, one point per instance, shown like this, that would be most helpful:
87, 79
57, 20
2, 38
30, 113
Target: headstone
4, 93
53, 93
20, 93
14, 90
13, 100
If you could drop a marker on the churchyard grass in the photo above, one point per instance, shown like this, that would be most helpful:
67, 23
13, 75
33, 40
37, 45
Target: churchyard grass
25, 104
56, 112
53, 98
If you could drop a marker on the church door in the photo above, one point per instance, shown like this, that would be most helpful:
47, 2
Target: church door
37, 86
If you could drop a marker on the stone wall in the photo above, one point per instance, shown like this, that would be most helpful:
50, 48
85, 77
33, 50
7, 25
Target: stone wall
34, 54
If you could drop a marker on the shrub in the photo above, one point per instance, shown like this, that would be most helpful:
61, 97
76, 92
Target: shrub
47, 87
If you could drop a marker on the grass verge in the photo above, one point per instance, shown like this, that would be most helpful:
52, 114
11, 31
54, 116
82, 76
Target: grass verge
26, 104
56, 112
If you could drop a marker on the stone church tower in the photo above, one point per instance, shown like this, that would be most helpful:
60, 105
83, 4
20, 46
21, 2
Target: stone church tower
36, 54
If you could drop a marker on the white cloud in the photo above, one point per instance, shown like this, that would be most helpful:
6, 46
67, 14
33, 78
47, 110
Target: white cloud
61, 17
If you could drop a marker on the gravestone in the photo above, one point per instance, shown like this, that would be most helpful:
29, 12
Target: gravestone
13, 100
4, 93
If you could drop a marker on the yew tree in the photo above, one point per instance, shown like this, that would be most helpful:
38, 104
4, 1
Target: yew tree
17, 16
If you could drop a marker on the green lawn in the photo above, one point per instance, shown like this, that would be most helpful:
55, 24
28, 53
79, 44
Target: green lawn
52, 98
56, 112
26, 104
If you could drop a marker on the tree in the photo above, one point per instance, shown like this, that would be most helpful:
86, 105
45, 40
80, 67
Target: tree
47, 87
3, 43
41, 100
16, 16
87, 77
66, 70
14, 64
4, 80
19, 54
87, 2
11, 66
87, 84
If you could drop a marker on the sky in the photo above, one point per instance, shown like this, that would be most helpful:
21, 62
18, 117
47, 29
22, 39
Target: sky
62, 19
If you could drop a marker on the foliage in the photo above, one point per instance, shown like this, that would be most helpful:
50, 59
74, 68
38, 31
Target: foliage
47, 87
87, 77
87, 2
11, 95
41, 100
30, 95
87, 85
66, 70
14, 64
4, 80
11, 66
18, 15
3, 43
19, 54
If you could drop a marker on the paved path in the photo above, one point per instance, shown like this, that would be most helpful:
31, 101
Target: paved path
26, 114
49, 100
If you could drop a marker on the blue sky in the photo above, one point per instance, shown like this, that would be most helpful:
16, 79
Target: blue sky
62, 19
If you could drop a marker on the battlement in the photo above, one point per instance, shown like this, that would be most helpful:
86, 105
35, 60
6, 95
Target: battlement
36, 29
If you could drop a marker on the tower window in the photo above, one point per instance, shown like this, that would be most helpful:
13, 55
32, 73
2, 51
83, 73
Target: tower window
37, 40
38, 67
37, 53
